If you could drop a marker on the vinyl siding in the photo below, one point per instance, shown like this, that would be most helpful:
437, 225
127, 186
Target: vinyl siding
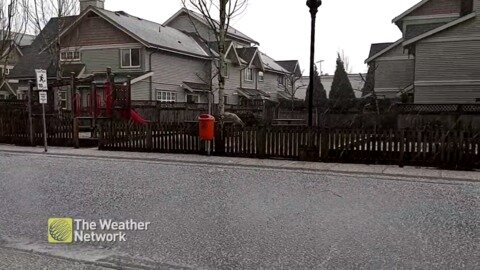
445, 61
141, 91
395, 74
98, 60
170, 71
95, 31
270, 85
447, 94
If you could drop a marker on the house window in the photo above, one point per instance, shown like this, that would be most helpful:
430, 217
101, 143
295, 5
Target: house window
225, 100
5, 71
3, 97
166, 96
227, 70
62, 99
248, 74
281, 80
70, 56
192, 98
130, 58
261, 76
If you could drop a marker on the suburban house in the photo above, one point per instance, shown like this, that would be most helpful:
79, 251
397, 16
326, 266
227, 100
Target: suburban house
14, 46
251, 74
167, 62
436, 60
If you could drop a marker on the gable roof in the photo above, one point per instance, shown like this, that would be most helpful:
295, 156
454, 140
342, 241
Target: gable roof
247, 53
34, 57
410, 10
232, 32
440, 29
150, 34
271, 65
292, 66
378, 49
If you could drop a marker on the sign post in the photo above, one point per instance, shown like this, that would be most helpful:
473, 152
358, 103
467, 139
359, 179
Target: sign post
42, 86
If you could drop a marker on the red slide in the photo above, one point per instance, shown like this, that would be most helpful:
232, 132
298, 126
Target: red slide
137, 118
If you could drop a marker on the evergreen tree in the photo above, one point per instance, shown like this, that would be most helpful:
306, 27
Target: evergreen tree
319, 93
341, 87
369, 81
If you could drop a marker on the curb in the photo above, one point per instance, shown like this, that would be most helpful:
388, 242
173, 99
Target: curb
282, 167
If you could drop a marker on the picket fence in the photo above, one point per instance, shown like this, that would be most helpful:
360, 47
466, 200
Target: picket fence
458, 149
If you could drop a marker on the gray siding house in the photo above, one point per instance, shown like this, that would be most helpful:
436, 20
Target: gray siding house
252, 74
437, 59
166, 62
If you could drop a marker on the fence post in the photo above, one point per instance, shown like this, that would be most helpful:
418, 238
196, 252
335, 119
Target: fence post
101, 136
401, 139
324, 143
220, 139
76, 141
260, 141
149, 142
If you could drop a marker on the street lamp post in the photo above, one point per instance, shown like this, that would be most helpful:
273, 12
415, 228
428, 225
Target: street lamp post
313, 5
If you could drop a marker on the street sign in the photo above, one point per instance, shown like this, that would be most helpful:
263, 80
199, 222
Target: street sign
42, 84
42, 97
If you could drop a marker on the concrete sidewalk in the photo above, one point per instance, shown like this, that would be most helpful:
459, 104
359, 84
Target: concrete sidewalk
385, 170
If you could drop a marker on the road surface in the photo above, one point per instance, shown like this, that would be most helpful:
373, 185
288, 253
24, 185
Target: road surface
215, 217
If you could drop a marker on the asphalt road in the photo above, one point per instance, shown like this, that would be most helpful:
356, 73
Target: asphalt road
241, 218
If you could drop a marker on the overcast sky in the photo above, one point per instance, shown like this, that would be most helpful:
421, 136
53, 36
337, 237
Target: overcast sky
282, 27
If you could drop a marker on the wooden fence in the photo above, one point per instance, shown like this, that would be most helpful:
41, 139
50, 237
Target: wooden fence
15, 129
457, 149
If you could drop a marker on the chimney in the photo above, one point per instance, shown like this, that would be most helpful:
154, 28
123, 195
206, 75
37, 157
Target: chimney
96, 3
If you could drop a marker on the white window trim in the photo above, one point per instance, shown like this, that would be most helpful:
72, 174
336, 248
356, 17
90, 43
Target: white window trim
130, 49
246, 75
283, 80
166, 99
261, 78
74, 59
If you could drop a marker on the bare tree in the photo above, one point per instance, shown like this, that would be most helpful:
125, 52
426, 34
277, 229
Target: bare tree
13, 22
346, 61
40, 13
291, 87
226, 10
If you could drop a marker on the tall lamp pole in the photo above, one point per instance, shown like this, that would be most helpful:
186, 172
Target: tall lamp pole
313, 5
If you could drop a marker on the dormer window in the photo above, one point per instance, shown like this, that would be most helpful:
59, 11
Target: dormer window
70, 56
467, 7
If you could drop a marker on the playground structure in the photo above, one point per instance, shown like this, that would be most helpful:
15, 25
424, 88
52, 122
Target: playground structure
75, 109
99, 98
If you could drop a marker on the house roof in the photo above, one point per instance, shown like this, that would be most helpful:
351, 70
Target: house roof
379, 49
34, 57
292, 66
271, 65
21, 39
440, 29
418, 29
232, 32
196, 87
150, 33
410, 10
247, 54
